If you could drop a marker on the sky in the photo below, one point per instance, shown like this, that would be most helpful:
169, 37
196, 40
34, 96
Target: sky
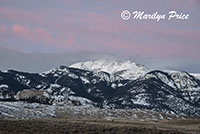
41, 34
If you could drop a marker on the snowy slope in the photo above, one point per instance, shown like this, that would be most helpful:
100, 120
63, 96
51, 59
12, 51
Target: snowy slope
176, 92
25, 110
108, 84
125, 69
35, 110
197, 75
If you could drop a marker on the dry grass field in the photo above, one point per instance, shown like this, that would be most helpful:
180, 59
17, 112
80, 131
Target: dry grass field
73, 125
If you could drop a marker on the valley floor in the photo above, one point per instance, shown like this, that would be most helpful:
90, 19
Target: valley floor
101, 126
28, 118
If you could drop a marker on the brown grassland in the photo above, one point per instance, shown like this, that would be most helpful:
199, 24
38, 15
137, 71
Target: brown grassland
69, 125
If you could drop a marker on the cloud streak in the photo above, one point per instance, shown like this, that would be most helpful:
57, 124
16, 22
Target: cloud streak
40, 34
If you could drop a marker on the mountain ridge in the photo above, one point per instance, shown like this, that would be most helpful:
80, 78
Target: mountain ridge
126, 69
155, 90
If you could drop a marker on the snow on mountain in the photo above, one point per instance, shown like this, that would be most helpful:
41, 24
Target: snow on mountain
108, 84
25, 110
125, 69
197, 75
35, 110
184, 80
176, 92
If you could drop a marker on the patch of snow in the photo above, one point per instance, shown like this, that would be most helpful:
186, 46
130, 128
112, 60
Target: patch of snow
140, 99
3, 86
73, 76
26, 110
124, 69
89, 90
83, 101
197, 75
23, 79
85, 81
120, 84
54, 85
161, 117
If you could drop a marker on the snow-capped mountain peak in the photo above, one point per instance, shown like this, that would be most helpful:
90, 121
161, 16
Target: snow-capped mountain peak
108, 84
125, 69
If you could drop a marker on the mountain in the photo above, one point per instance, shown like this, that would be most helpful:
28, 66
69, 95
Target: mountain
106, 84
174, 93
125, 69
60, 84
197, 75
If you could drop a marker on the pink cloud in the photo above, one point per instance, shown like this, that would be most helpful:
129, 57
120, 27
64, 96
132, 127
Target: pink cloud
184, 34
59, 40
70, 41
99, 29
96, 22
70, 2
21, 16
192, 3
42, 34
18, 29
105, 24
39, 34
2, 28
163, 48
